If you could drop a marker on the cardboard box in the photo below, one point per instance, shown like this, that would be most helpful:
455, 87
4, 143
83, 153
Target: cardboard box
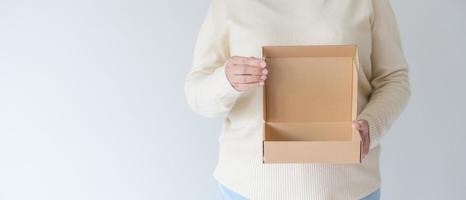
310, 101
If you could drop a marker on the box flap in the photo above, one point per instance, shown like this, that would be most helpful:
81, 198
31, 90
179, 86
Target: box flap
310, 83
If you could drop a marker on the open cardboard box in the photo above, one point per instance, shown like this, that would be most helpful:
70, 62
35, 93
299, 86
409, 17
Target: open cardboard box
310, 101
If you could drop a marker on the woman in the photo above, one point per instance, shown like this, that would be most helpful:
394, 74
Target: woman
228, 75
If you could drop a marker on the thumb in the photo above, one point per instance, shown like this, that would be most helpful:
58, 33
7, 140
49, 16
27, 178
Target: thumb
356, 125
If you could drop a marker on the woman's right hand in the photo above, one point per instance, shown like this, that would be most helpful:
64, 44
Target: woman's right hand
245, 73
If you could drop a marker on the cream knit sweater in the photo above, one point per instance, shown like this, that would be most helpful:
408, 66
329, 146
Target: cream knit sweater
241, 28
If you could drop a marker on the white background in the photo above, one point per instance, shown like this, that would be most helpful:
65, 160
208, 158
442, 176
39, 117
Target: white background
92, 104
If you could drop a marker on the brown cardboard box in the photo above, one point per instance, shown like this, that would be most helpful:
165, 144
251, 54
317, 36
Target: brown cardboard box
310, 101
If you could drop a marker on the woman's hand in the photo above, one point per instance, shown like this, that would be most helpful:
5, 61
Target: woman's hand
363, 127
245, 73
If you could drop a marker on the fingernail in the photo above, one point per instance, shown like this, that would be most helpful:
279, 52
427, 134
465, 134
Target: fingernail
263, 77
261, 83
263, 64
265, 71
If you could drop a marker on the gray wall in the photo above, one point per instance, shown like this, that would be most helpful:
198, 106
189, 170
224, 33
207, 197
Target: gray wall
424, 155
92, 104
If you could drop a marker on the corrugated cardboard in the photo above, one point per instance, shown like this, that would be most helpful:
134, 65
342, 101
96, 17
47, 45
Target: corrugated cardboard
310, 101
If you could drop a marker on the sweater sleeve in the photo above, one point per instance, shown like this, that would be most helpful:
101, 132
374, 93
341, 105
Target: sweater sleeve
390, 78
207, 89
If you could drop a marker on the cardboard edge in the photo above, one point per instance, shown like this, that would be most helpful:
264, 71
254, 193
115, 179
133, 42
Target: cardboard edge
357, 138
354, 92
264, 109
333, 158
264, 89
263, 143
321, 50
355, 97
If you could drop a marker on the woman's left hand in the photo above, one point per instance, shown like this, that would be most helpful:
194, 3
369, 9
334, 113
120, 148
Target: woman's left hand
363, 127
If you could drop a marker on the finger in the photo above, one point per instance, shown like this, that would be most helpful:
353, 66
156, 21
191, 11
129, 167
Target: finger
366, 144
356, 125
248, 78
251, 61
361, 128
364, 133
247, 86
363, 125
250, 70
360, 125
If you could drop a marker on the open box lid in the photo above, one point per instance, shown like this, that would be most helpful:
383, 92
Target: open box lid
310, 83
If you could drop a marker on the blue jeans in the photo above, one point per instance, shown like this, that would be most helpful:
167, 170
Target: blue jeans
227, 194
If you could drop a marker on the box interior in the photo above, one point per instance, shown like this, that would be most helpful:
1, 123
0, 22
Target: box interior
325, 110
